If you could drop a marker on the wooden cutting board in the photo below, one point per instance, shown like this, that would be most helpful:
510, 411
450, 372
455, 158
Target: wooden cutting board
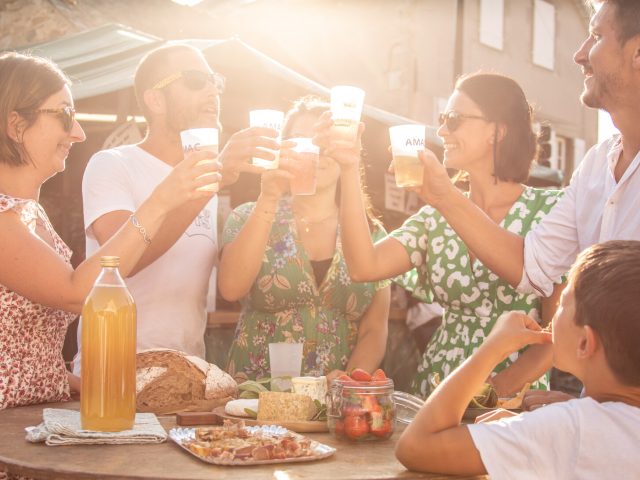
299, 427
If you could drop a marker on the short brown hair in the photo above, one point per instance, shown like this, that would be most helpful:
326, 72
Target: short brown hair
153, 67
501, 100
606, 282
26, 81
627, 14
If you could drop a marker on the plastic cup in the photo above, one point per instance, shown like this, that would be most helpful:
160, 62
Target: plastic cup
346, 110
196, 139
267, 119
285, 360
304, 167
406, 142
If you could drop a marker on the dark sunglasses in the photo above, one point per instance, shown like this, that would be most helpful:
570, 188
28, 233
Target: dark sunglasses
193, 80
453, 119
66, 115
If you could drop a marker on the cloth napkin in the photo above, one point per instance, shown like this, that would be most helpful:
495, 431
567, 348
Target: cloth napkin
62, 427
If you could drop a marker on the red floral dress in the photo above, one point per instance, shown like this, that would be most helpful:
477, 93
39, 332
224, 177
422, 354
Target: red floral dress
32, 369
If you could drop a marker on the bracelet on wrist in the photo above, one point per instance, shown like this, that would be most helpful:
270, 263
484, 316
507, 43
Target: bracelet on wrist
136, 223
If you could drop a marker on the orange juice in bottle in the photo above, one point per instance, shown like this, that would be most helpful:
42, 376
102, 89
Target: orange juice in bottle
108, 393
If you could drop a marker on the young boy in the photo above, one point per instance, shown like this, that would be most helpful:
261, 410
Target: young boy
596, 337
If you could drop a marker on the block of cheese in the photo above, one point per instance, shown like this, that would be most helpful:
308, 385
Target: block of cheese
315, 387
238, 407
285, 407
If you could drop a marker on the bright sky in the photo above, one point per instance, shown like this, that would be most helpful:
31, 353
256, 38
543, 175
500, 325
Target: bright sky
605, 126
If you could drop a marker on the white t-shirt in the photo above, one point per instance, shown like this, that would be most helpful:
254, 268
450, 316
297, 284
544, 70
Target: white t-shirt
579, 439
170, 294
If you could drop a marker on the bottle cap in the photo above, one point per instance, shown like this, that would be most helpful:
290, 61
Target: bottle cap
109, 261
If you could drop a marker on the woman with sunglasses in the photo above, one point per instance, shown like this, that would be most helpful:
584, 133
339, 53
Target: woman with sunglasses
282, 258
40, 292
487, 133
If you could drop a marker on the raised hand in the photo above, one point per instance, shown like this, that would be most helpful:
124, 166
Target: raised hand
515, 330
242, 146
436, 184
274, 184
345, 157
184, 183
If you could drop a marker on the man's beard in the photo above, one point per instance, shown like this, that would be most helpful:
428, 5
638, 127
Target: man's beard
601, 89
179, 119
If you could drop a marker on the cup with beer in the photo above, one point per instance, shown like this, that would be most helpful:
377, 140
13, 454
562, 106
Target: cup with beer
406, 142
304, 166
195, 139
346, 109
267, 119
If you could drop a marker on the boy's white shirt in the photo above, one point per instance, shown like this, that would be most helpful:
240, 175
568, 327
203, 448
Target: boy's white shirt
579, 439
171, 293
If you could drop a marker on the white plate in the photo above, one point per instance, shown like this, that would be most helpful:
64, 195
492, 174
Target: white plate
182, 436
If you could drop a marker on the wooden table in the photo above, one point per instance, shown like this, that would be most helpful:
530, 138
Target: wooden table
371, 460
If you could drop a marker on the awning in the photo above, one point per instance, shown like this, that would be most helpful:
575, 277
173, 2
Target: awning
104, 60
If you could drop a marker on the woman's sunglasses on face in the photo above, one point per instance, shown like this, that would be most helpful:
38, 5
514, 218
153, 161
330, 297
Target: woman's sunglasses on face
66, 115
453, 119
193, 79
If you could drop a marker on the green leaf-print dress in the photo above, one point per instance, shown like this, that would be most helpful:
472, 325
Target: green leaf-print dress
472, 296
285, 304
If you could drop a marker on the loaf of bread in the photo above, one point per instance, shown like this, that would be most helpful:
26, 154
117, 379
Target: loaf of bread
285, 407
168, 381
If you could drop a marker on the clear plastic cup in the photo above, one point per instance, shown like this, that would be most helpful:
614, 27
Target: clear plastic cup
267, 119
285, 360
196, 139
406, 142
304, 167
346, 110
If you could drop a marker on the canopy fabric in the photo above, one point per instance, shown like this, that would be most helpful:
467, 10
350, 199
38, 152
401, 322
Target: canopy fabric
104, 60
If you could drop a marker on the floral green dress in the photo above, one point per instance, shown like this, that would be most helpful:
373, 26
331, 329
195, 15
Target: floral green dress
285, 304
472, 296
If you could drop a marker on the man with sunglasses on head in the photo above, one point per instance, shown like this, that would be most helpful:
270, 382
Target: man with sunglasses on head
602, 202
176, 90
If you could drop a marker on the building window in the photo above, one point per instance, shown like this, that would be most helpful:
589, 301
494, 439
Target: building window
492, 23
559, 159
544, 34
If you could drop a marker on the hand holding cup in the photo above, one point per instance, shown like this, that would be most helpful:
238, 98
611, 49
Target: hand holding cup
191, 179
347, 157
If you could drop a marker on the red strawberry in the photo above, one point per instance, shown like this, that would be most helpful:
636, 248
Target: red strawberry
378, 376
360, 375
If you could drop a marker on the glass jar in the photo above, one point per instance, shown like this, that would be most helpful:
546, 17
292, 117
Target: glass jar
360, 411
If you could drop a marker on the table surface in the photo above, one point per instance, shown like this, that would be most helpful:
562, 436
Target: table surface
363, 461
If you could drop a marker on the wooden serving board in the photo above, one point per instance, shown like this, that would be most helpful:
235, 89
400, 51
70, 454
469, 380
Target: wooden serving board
299, 427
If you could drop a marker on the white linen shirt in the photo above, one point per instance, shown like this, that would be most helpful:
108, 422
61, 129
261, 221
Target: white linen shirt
595, 208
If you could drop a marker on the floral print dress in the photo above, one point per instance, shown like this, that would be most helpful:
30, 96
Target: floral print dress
472, 296
32, 369
286, 305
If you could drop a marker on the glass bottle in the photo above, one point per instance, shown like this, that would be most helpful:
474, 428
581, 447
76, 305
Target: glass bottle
108, 392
